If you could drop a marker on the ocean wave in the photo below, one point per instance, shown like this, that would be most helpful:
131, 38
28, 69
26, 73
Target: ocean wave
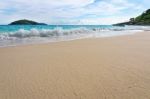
34, 35
44, 33
57, 32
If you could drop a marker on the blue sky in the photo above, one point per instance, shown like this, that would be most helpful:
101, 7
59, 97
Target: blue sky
71, 11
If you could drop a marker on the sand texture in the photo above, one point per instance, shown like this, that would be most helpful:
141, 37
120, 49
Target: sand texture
102, 68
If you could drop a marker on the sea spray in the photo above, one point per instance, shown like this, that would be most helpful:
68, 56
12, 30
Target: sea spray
16, 35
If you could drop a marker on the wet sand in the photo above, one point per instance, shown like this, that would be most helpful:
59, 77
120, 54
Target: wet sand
102, 68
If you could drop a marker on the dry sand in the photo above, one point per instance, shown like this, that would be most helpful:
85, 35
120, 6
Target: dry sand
106, 68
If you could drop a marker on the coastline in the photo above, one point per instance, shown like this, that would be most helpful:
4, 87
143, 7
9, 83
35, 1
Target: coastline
92, 68
31, 34
125, 33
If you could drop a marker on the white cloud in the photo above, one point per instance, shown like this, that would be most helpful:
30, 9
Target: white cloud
50, 2
65, 11
93, 21
104, 21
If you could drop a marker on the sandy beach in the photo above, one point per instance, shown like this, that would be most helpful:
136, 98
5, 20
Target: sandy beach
100, 68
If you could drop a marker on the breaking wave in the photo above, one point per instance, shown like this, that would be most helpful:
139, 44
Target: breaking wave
43, 33
34, 35
57, 32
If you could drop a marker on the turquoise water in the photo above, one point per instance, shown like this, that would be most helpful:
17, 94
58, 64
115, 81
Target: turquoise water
13, 28
11, 35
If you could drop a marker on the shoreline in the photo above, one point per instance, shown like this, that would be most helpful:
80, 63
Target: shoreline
47, 42
99, 68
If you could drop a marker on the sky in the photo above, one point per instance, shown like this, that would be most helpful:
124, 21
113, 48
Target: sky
78, 12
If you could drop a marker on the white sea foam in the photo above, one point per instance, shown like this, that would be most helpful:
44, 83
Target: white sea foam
58, 34
44, 33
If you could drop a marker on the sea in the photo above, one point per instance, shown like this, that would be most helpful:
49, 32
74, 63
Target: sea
14, 35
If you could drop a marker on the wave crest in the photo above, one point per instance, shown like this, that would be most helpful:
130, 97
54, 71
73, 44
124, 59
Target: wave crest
43, 33
57, 32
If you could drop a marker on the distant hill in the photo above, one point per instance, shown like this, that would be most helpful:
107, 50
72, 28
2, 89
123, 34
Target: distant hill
143, 19
26, 22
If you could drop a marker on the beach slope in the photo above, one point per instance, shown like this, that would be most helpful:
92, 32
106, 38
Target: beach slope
102, 68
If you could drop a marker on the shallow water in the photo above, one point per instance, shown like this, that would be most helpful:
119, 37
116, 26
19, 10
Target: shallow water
11, 35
